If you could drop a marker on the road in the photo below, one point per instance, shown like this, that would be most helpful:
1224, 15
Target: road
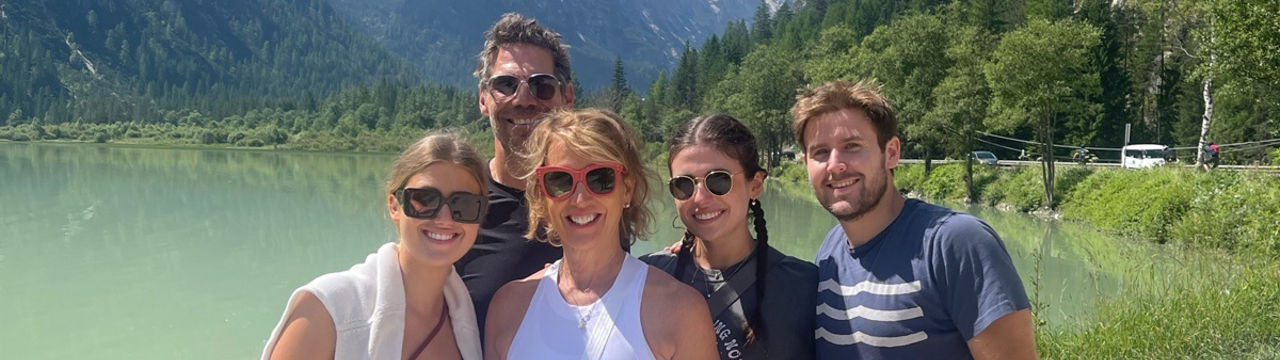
1012, 163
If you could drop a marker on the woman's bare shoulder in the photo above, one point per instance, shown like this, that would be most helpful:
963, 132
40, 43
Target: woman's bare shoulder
506, 312
309, 332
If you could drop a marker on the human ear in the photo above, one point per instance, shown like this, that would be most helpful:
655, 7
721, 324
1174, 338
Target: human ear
755, 184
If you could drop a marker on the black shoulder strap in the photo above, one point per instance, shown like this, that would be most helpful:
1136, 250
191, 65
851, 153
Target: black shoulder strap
728, 294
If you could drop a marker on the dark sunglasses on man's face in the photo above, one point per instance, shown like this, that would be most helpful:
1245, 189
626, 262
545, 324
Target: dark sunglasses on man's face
424, 203
543, 86
718, 182
558, 182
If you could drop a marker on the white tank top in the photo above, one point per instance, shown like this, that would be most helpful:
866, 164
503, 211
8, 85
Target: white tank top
606, 329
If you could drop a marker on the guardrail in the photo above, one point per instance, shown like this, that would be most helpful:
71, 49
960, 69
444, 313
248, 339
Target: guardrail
1011, 163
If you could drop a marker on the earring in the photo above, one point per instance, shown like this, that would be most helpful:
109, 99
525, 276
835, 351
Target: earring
626, 206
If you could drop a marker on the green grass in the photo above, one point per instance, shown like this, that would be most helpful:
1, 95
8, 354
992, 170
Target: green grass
1235, 318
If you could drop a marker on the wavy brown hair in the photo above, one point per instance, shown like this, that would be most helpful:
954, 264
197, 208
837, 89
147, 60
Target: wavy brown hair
598, 136
839, 95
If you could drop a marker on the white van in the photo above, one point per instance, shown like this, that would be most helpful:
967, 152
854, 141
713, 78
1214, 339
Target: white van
1142, 156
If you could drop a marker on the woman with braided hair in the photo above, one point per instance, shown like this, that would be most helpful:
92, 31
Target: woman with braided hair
761, 300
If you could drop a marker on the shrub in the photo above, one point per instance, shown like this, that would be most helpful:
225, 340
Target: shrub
1233, 211
945, 182
790, 171
1144, 203
908, 177
1025, 189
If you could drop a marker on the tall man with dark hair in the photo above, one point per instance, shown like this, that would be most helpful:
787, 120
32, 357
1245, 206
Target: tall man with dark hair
899, 278
523, 73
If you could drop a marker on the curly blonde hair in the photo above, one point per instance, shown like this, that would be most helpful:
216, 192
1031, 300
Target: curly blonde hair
598, 136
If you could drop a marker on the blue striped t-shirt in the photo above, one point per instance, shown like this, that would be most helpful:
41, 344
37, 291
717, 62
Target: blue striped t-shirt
919, 290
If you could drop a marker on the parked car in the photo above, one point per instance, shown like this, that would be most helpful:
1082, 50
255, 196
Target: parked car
1140, 156
985, 157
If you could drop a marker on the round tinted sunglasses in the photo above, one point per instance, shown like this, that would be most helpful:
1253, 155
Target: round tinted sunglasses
718, 182
424, 203
558, 182
542, 86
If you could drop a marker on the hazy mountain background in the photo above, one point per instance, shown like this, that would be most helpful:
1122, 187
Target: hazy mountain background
61, 57
442, 37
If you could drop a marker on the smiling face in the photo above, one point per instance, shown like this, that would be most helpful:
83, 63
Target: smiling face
513, 117
847, 168
439, 241
583, 216
708, 216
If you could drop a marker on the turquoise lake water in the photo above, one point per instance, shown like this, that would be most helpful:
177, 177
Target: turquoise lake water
116, 252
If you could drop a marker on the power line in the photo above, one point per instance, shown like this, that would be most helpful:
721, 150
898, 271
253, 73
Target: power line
1040, 143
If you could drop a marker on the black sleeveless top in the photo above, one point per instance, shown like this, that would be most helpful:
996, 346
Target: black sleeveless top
788, 305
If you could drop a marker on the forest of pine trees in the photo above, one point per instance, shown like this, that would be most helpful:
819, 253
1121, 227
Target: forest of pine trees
953, 69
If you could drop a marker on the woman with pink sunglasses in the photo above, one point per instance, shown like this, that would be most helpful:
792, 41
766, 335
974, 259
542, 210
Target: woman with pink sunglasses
587, 191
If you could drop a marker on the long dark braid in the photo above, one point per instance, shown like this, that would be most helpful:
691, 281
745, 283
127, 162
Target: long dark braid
762, 262
731, 137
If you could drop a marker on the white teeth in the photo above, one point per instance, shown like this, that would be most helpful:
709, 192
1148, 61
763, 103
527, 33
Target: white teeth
522, 121
706, 216
582, 220
438, 236
842, 183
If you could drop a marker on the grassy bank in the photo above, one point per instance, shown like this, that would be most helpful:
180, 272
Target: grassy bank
1234, 211
1237, 318
1181, 315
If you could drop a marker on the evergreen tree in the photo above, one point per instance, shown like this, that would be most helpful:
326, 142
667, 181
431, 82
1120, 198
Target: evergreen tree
761, 24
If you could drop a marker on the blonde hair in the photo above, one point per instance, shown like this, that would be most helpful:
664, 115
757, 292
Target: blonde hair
598, 136
839, 95
443, 146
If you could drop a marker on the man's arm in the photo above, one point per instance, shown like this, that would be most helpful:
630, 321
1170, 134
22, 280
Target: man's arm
1009, 337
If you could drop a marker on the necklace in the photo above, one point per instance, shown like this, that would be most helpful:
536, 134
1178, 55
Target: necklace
583, 316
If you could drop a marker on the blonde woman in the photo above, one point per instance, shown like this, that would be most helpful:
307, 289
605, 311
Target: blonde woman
405, 301
587, 189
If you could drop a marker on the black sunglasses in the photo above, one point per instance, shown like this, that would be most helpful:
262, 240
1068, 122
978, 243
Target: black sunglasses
718, 182
543, 86
424, 203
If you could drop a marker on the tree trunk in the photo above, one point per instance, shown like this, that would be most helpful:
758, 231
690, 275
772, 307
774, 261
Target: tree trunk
1207, 119
928, 162
968, 166
1207, 92
1047, 173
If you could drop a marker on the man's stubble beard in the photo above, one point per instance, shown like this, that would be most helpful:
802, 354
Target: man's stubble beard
869, 199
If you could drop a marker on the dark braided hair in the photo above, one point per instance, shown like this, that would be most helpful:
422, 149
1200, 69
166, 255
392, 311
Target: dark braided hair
733, 139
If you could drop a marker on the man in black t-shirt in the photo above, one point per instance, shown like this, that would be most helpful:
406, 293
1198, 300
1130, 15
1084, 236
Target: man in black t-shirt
523, 73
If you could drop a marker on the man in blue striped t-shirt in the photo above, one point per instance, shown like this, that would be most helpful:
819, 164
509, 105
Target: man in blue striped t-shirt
898, 278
